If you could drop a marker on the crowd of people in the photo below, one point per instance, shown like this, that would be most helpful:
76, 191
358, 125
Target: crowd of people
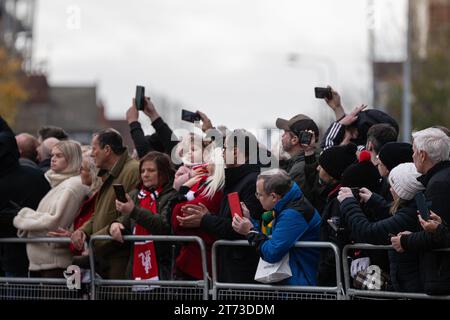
357, 184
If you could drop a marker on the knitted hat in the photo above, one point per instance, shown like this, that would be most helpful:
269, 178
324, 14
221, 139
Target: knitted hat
336, 159
403, 179
362, 174
394, 153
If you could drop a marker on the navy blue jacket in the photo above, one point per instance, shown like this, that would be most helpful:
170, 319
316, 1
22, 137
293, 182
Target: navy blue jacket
404, 267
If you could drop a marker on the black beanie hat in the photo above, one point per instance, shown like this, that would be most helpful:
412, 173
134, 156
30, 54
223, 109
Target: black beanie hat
362, 174
336, 159
394, 153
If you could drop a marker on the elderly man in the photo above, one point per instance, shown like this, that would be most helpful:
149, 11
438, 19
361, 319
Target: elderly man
431, 157
28, 149
293, 219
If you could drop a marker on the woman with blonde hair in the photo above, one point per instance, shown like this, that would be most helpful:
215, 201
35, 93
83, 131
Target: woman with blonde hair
89, 177
57, 209
206, 190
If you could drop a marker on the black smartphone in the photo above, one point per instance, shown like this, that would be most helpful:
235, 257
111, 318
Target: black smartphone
422, 206
322, 93
140, 97
120, 192
305, 137
189, 116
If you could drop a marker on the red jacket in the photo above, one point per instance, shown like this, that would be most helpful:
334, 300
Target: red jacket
86, 211
189, 260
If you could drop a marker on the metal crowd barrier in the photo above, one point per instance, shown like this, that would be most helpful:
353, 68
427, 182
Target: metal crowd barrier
240, 291
352, 293
102, 289
37, 288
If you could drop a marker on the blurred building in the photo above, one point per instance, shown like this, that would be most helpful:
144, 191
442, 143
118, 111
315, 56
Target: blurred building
430, 32
76, 109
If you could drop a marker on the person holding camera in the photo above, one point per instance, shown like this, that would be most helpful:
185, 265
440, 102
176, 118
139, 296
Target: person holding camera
160, 141
300, 135
404, 268
352, 127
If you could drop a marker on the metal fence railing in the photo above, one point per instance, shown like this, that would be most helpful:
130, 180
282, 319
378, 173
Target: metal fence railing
110, 289
37, 288
102, 289
240, 291
352, 293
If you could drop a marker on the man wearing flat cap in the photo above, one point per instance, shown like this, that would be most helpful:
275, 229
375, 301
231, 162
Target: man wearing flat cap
299, 140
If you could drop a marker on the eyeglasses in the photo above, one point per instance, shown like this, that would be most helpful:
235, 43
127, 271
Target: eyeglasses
258, 195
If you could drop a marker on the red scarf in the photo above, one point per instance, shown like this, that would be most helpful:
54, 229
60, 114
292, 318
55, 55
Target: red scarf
145, 265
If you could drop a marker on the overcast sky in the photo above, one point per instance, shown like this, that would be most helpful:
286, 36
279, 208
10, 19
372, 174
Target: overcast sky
228, 58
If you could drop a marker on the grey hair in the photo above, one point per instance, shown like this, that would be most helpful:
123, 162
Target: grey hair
93, 170
277, 181
434, 142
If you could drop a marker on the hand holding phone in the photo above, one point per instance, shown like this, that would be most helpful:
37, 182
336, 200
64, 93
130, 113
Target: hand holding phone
120, 193
140, 96
235, 204
322, 93
189, 116
422, 206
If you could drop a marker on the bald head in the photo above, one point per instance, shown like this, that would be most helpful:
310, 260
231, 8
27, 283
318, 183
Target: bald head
44, 151
27, 146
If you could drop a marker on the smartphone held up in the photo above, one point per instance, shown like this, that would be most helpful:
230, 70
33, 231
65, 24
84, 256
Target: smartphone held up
189, 116
140, 98
322, 93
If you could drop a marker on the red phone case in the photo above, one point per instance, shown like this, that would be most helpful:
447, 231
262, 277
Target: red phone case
235, 204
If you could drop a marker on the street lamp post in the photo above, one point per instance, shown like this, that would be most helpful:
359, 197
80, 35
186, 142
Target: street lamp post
406, 101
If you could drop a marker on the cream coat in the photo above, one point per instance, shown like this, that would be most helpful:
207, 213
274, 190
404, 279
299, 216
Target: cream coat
58, 208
